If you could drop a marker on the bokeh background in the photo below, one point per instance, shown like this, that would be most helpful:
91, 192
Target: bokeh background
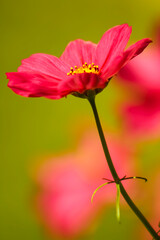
32, 129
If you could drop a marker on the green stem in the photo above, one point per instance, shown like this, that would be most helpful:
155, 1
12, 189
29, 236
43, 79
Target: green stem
118, 202
115, 175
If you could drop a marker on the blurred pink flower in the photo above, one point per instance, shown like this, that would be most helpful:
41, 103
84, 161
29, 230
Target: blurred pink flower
83, 66
142, 115
66, 184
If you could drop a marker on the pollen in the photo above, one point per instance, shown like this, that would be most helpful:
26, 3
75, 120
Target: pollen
85, 68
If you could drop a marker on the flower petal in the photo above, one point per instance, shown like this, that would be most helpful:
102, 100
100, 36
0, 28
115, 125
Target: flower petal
29, 84
142, 118
111, 45
45, 64
78, 52
144, 72
123, 59
81, 83
136, 49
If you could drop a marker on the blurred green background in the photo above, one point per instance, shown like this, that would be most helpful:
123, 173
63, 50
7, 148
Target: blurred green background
31, 127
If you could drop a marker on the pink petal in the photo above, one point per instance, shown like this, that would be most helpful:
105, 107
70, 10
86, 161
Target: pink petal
29, 84
136, 49
123, 59
111, 45
142, 119
45, 64
66, 207
80, 83
143, 72
78, 52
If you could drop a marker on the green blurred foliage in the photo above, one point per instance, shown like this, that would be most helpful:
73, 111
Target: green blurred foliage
31, 127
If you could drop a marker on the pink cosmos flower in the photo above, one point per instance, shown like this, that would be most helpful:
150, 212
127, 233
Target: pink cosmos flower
142, 76
83, 66
66, 184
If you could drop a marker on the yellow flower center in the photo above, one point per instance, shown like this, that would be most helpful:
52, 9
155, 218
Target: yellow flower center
91, 68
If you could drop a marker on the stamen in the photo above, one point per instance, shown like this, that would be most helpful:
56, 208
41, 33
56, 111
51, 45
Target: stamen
85, 68
89, 67
97, 67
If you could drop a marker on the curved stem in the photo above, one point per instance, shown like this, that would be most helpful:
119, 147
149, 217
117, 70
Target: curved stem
115, 175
